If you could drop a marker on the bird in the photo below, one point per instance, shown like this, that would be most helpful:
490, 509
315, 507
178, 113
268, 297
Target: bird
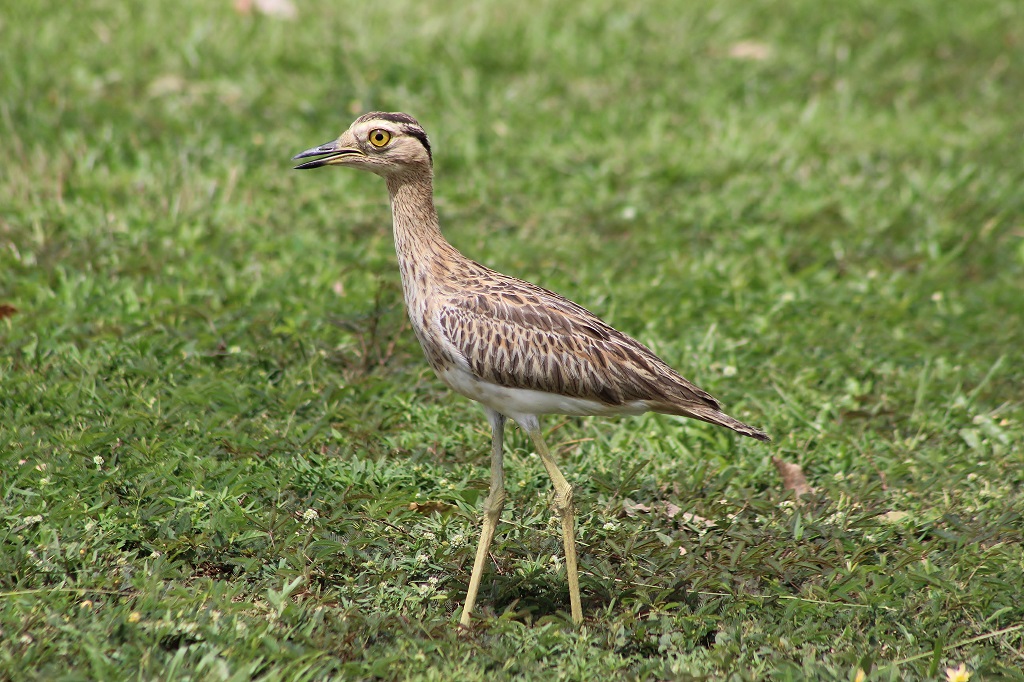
518, 349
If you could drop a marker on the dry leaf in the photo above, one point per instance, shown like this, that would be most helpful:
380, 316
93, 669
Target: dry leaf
167, 84
6, 310
695, 520
282, 9
633, 508
429, 507
792, 477
751, 50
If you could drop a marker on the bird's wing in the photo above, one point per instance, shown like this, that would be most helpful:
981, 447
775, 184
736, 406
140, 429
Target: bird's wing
518, 335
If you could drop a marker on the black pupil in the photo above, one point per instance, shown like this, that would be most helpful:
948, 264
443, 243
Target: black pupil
379, 137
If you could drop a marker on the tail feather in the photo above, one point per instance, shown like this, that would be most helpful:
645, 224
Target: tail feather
706, 413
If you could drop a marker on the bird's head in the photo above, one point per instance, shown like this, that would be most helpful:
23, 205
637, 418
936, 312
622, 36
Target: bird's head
388, 144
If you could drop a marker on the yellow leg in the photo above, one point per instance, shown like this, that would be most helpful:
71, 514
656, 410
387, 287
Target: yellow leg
562, 506
493, 505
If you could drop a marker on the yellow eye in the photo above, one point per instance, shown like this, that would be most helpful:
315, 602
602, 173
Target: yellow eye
379, 138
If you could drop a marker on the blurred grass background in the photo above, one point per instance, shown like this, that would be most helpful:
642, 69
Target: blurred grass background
214, 418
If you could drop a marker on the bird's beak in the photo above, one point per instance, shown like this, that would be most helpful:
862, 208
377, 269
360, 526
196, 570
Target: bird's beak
332, 153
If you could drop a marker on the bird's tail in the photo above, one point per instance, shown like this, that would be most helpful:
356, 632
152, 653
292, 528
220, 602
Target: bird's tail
706, 413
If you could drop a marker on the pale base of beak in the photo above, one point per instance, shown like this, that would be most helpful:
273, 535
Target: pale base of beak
331, 153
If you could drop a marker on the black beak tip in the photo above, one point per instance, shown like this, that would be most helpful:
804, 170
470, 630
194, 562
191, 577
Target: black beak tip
316, 163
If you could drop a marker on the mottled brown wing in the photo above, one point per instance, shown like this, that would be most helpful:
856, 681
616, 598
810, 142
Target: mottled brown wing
519, 335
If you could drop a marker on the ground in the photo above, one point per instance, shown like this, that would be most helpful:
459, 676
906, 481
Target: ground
224, 456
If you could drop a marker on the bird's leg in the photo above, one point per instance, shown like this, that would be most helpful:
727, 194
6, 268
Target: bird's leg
562, 506
493, 505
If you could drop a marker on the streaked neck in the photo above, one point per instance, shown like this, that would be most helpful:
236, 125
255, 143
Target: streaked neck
417, 232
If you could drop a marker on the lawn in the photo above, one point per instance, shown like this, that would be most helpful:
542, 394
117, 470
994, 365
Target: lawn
224, 457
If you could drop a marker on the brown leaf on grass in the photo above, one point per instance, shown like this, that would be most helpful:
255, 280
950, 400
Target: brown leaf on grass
6, 310
792, 477
429, 507
671, 511
894, 516
633, 508
282, 9
697, 521
750, 50
167, 84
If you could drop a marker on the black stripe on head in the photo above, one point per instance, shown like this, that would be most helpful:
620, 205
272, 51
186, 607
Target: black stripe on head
409, 125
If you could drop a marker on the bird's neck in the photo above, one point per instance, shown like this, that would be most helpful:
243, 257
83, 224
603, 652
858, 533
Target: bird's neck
417, 233
425, 258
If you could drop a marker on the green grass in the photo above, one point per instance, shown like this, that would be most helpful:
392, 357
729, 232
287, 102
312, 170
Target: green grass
207, 344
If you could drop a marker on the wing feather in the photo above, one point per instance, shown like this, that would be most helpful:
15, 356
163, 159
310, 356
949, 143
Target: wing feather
519, 335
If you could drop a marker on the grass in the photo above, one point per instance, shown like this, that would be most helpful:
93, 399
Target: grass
224, 457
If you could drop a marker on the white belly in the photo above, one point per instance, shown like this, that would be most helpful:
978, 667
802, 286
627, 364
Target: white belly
521, 402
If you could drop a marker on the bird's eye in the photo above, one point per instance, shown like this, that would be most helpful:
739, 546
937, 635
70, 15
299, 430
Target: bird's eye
379, 138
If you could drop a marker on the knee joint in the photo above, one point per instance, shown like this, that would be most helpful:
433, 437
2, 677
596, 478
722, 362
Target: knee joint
562, 502
494, 503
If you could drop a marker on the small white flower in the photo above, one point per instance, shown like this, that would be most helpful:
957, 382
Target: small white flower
728, 371
33, 520
422, 558
45, 480
310, 515
98, 461
610, 526
428, 535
